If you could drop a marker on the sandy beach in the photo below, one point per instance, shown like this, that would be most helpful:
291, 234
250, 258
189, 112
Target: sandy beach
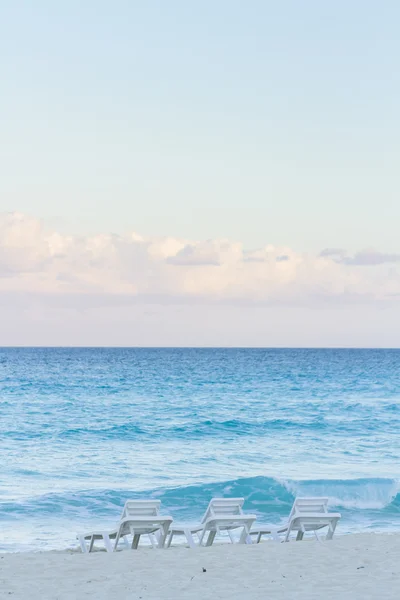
355, 566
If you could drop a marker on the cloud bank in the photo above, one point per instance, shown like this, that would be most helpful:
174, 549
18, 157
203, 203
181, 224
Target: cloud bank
112, 269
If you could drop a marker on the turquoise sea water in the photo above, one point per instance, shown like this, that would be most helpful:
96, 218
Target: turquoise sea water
82, 430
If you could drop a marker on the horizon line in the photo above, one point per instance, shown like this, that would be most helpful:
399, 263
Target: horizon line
117, 347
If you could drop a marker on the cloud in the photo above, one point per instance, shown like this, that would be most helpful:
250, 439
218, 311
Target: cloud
371, 258
204, 254
367, 257
40, 264
337, 253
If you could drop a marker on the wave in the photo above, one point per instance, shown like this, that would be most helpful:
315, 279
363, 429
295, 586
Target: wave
269, 498
206, 428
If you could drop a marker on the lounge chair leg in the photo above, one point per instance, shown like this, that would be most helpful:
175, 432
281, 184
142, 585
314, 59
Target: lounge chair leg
331, 531
162, 536
169, 540
190, 540
107, 542
244, 536
116, 541
82, 544
231, 536
210, 538
153, 540
91, 543
135, 541
287, 536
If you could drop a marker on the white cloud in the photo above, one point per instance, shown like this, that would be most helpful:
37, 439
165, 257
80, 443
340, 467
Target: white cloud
109, 269
368, 257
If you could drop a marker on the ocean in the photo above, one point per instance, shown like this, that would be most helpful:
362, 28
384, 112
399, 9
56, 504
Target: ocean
84, 429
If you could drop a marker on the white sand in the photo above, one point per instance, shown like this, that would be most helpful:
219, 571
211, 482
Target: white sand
350, 567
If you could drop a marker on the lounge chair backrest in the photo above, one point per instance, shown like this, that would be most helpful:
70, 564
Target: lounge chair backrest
309, 505
141, 508
220, 507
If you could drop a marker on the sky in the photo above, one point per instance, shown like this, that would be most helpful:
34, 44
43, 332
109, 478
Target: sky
199, 173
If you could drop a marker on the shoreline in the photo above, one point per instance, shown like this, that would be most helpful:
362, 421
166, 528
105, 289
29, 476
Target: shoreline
180, 543
351, 566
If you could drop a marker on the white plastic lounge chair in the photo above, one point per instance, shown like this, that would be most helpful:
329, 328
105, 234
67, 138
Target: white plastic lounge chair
307, 514
222, 514
139, 517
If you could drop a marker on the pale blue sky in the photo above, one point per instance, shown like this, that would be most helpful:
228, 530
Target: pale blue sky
264, 122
